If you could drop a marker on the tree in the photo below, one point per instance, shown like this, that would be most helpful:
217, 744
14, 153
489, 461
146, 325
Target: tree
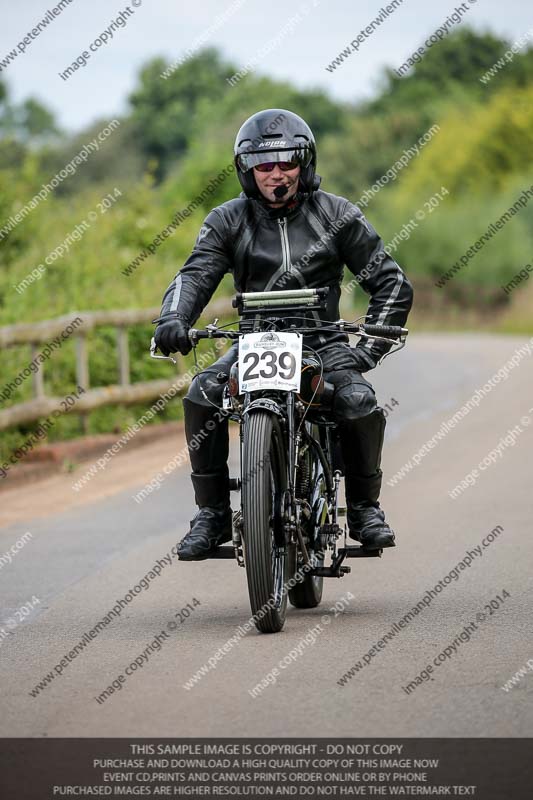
164, 109
461, 59
27, 124
34, 122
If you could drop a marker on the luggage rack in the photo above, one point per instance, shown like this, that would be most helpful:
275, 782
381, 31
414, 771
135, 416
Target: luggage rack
249, 304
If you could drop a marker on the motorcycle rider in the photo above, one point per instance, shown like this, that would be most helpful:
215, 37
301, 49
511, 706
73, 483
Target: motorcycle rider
283, 232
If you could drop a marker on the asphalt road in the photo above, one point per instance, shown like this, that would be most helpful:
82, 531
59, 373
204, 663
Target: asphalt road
88, 549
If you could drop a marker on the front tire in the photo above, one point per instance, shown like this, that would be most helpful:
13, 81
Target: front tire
263, 484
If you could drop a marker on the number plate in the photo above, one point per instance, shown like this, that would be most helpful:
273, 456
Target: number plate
271, 360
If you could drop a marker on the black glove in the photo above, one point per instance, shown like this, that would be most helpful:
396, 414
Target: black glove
364, 360
173, 336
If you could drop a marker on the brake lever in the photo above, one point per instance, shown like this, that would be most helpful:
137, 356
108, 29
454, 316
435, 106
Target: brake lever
153, 349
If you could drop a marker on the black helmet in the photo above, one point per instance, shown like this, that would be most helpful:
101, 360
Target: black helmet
275, 135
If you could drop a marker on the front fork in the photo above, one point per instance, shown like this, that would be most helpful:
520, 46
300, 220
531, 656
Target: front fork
294, 509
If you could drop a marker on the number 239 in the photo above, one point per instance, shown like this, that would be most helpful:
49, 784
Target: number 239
284, 364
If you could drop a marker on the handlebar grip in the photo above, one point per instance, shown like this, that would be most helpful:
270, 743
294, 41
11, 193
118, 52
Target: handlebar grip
387, 331
195, 334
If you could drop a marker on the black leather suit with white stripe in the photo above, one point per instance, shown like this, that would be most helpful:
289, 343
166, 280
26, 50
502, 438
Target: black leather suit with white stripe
306, 243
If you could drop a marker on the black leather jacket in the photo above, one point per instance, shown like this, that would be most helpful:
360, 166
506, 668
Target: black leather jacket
306, 243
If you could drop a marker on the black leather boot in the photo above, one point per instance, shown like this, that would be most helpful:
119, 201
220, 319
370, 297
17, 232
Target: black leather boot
366, 523
208, 443
212, 525
362, 443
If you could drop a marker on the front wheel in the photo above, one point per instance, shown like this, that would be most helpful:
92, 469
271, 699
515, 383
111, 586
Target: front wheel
263, 484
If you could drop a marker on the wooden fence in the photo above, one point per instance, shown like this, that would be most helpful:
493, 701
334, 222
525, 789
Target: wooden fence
36, 334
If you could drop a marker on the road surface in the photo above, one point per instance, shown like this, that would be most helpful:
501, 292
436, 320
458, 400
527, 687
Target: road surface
88, 549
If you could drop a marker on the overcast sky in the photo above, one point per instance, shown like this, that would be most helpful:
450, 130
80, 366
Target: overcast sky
307, 43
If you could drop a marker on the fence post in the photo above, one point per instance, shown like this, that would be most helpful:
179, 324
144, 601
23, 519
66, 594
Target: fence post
37, 377
82, 373
123, 356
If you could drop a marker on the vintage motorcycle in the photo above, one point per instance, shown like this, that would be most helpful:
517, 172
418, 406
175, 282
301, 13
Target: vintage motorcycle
291, 467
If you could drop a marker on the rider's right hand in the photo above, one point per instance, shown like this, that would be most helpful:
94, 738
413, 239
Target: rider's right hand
173, 336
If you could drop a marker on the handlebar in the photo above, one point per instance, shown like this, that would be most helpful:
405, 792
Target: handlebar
394, 332
385, 331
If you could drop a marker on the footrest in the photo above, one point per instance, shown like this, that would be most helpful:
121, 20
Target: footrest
330, 572
223, 552
359, 552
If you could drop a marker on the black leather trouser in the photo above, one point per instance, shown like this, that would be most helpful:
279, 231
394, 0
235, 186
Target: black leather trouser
360, 425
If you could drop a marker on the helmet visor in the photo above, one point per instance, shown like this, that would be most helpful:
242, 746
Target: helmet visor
300, 157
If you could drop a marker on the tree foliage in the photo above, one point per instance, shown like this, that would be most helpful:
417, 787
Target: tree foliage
178, 135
